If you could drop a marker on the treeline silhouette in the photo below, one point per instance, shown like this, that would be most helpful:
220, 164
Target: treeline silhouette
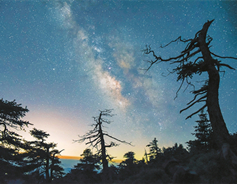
37, 162
200, 162
210, 158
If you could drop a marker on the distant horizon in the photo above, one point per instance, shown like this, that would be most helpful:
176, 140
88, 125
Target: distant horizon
78, 158
69, 157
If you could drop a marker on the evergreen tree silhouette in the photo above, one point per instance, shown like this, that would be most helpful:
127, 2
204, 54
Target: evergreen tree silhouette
177, 151
41, 157
203, 134
11, 143
130, 158
89, 162
154, 149
128, 166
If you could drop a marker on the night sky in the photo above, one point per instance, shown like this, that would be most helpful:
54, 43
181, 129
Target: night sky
66, 60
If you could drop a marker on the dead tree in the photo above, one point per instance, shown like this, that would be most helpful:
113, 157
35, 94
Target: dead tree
96, 137
197, 58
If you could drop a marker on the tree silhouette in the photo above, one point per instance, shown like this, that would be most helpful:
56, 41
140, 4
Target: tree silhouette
89, 162
203, 132
154, 149
146, 157
130, 159
86, 170
96, 137
41, 157
187, 66
177, 151
128, 166
11, 142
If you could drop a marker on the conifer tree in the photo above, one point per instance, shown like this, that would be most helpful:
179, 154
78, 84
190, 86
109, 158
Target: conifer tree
203, 133
86, 171
154, 149
128, 166
89, 162
41, 157
11, 114
130, 158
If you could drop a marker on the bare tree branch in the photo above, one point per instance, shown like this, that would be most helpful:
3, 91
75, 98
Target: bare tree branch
178, 39
197, 101
179, 89
226, 65
223, 57
118, 139
197, 111
196, 97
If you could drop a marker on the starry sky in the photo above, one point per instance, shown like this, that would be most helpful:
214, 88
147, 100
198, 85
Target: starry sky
66, 60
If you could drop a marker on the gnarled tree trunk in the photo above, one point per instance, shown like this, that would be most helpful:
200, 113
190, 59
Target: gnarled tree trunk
217, 121
103, 150
208, 93
220, 130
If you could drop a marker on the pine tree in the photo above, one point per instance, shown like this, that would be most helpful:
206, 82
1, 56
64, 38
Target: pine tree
154, 149
89, 162
11, 143
203, 133
128, 167
41, 157
130, 159
86, 170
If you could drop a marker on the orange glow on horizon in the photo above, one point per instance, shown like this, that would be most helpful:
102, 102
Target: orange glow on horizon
78, 158
69, 157
117, 161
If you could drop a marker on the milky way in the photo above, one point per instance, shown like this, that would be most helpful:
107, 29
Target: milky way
66, 60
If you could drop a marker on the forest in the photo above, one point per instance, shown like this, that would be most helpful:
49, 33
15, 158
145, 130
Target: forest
211, 157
